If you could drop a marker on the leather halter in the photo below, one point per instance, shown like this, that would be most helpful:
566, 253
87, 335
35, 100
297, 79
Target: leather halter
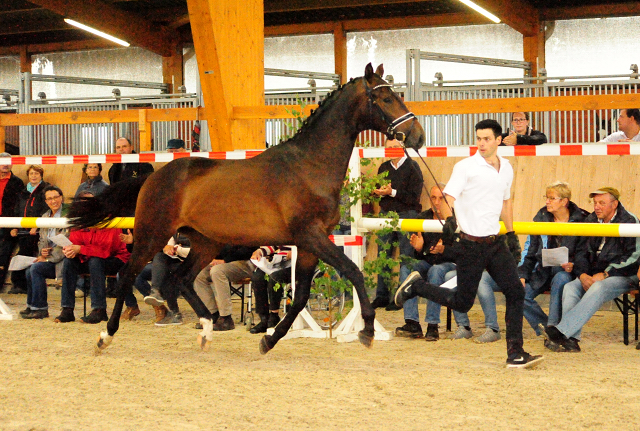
391, 132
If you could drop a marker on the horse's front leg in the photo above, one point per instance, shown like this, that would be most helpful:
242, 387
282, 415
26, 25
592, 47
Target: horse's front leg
304, 273
318, 243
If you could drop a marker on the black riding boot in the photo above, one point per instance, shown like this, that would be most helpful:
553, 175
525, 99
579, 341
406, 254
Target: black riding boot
260, 327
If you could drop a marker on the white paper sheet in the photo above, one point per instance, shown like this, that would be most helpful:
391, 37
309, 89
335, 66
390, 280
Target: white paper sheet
20, 262
277, 263
555, 256
61, 240
450, 284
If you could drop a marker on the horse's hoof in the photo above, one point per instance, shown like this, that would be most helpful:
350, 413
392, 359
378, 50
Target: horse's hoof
265, 345
366, 340
204, 343
104, 340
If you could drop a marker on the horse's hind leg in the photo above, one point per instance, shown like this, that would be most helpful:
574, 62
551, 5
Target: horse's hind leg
304, 273
317, 242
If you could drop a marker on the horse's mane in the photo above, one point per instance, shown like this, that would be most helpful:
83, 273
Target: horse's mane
317, 113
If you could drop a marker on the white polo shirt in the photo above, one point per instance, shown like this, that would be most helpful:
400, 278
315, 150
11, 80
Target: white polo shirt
618, 136
479, 191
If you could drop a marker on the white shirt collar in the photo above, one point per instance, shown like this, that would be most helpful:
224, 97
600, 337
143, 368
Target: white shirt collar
400, 162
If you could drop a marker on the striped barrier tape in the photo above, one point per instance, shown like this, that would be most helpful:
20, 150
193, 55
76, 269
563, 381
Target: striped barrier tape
461, 151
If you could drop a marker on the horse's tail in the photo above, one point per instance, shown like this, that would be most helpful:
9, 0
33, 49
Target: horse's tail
117, 200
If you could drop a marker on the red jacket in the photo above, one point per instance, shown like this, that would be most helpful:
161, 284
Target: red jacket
101, 243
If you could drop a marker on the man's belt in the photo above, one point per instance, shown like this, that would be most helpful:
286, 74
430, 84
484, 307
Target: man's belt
479, 239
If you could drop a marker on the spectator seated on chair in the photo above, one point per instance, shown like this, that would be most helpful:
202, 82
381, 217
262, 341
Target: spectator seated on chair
537, 278
94, 183
628, 127
98, 252
267, 297
212, 283
10, 189
520, 132
32, 204
125, 171
605, 267
164, 288
48, 264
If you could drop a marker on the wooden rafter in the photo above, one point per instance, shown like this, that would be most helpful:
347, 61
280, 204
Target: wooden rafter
58, 47
517, 14
592, 11
273, 6
105, 17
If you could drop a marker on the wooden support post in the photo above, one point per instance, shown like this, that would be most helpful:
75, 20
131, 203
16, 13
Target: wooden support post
144, 126
340, 52
3, 139
173, 70
534, 50
228, 37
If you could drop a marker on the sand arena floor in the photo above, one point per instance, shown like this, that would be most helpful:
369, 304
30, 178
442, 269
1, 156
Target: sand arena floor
155, 378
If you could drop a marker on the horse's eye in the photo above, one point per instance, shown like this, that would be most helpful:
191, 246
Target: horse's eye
387, 100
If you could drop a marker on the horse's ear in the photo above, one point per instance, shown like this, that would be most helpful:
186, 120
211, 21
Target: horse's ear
368, 72
380, 71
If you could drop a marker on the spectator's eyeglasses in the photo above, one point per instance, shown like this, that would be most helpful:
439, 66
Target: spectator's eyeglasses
52, 199
549, 198
519, 120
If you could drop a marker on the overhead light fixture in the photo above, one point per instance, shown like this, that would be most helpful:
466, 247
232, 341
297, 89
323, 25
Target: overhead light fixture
481, 11
96, 32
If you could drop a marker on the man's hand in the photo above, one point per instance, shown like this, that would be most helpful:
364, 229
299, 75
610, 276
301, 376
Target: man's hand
169, 250
13, 232
513, 243
416, 241
511, 139
257, 255
599, 276
41, 259
33, 231
567, 266
586, 281
449, 230
71, 251
215, 262
438, 248
46, 252
127, 238
383, 191
523, 281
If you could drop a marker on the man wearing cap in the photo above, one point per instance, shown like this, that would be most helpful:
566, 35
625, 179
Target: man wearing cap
125, 171
628, 127
605, 268
176, 146
10, 189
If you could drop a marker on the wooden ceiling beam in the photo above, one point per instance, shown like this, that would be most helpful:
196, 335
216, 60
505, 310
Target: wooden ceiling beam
593, 11
441, 20
105, 17
278, 6
517, 14
78, 45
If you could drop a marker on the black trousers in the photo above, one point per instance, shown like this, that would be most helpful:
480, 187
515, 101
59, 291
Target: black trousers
472, 258
28, 245
265, 297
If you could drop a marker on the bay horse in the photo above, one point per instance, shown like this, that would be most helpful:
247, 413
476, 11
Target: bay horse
287, 195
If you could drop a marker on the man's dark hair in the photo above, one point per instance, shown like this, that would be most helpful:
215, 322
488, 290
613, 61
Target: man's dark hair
52, 188
635, 114
490, 124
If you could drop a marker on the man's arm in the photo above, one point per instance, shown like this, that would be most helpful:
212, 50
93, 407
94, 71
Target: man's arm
507, 214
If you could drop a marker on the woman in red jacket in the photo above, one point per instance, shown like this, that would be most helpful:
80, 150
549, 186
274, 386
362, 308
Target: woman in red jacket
99, 252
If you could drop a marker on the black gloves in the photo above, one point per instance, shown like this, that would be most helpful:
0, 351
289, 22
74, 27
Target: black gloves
513, 244
448, 230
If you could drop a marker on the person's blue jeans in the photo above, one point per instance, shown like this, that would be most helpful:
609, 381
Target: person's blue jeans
37, 275
410, 307
142, 284
406, 249
579, 305
98, 269
532, 310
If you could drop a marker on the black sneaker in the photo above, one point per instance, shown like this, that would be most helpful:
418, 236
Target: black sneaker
380, 302
24, 312
523, 360
97, 315
37, 314
571, 345
432, 333
259, 328
404, 291
552, 333
554, 347
224, 323
273, 320
411, 329
66, 315
392, 307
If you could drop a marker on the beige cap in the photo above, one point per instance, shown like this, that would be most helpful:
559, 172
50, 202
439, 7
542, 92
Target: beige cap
603, 190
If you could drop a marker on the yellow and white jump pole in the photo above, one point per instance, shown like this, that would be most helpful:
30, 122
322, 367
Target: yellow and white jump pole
59, 222
521, 228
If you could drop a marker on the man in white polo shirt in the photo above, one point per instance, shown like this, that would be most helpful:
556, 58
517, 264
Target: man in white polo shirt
480, 186
628, 127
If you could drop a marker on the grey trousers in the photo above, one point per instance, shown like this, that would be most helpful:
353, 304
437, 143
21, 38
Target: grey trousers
212, 284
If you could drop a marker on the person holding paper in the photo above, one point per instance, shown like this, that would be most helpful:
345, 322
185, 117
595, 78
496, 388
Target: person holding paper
480, 187
534, 275
48, 264
605, 268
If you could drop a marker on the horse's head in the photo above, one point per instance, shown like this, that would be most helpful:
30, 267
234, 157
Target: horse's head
389, 113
